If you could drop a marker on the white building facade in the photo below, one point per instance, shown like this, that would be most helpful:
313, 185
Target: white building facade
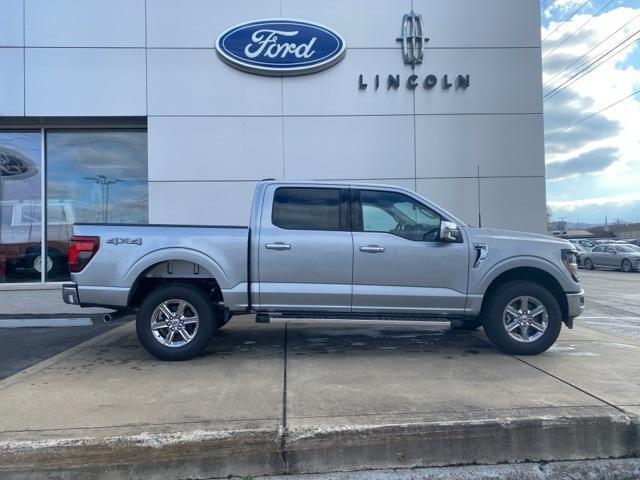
122, 111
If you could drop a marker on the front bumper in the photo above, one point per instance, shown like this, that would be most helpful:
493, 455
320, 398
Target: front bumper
70, 294
575, 304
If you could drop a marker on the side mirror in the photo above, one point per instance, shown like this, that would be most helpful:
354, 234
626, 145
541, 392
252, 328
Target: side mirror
450, 232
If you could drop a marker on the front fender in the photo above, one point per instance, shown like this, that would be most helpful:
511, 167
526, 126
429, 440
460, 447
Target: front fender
484, 279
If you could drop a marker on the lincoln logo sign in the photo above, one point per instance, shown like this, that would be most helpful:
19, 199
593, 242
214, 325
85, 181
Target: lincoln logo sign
280, 47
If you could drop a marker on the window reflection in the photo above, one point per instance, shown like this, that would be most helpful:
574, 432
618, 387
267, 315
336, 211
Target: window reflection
20, 184
20, 206
93, 177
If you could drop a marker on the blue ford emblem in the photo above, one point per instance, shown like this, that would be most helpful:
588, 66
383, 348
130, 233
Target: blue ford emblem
280, 47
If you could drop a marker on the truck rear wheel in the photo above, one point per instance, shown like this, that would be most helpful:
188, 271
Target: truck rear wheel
523, 318
175, 322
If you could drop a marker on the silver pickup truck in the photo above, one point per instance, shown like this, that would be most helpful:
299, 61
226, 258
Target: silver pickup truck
327, 250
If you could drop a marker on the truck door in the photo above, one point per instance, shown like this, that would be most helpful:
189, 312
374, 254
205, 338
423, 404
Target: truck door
305, 249
399, 266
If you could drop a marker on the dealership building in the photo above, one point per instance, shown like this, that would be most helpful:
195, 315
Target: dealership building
165, 111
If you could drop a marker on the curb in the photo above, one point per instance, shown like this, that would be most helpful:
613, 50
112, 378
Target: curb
597, 433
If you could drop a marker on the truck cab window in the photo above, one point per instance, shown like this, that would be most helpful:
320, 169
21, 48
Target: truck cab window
306, 208
398, 214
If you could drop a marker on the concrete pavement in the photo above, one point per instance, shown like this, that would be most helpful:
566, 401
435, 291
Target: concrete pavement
305, 397
30, 303
618, 469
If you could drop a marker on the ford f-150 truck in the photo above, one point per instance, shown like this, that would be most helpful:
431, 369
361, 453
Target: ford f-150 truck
327, 250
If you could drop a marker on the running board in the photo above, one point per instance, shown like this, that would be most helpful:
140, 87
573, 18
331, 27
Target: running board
267, 317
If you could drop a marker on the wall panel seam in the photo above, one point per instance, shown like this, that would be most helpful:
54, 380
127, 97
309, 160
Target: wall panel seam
342, 180
158, 115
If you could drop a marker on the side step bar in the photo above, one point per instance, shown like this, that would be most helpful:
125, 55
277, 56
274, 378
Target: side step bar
267, 317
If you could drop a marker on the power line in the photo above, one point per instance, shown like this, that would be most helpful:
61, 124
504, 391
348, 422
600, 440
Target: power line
591, 116
588, 69
550, 81
566, 20
575, 78
577, 29
590, 66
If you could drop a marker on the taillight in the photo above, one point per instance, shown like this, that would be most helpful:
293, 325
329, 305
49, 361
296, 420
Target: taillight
81, 251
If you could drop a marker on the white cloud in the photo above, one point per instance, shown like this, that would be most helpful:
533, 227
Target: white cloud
615, 182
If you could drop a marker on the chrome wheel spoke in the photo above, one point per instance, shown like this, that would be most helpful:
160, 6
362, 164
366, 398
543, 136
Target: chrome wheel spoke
537, 311
190, 320
185, 335
180, 310
157, 325
524, 332
169, 338
524, 304
538, 326
513, 312
164, 308
512, 326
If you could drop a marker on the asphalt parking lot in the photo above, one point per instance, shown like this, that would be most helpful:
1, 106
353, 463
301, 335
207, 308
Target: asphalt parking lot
612, 302
21, 348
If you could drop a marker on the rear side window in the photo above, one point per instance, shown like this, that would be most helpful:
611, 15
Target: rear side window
306, 208
598, 249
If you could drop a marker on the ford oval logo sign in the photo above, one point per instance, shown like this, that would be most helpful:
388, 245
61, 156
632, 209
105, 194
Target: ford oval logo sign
280, 47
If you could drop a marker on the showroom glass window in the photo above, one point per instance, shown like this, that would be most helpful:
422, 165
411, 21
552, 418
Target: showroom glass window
93, 176
20, 205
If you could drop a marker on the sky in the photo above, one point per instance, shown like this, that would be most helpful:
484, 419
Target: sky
593, 167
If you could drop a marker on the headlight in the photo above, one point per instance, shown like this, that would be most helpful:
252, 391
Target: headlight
569, 260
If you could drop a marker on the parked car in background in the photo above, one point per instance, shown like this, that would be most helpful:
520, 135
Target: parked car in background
616, 256
581, 251
584, 243
635, 247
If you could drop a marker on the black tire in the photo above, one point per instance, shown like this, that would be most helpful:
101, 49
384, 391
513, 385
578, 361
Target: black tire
471, 324
495, 309
626, 266
203, 308
588, 264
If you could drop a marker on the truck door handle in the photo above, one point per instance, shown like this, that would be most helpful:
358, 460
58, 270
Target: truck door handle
372, 249
278, 246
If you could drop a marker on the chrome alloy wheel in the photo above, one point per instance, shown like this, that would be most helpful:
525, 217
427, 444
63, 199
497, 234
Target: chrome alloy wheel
174, 323
525, 319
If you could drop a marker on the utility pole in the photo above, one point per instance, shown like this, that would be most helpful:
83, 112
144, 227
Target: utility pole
104, 183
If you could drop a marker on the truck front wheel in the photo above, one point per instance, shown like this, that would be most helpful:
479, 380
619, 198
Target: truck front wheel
175, 322
522, 318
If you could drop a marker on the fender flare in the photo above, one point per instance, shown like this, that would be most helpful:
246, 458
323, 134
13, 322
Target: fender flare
169, 254
524, 261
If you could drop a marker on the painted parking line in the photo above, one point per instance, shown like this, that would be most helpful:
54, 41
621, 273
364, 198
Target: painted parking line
45, 322
622, 325
607, 317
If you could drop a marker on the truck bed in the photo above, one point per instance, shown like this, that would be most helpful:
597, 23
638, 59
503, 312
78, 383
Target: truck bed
128, 252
